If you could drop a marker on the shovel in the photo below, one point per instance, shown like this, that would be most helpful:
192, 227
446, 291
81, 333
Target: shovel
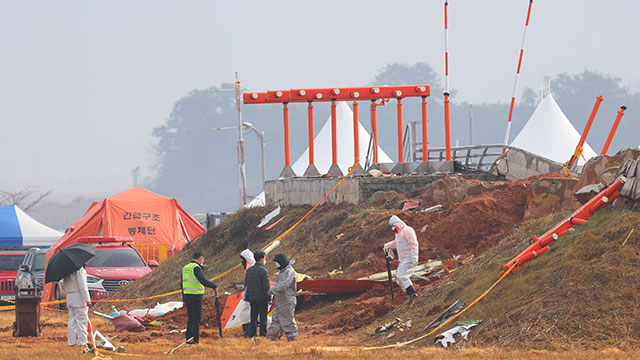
218, 313
386, 255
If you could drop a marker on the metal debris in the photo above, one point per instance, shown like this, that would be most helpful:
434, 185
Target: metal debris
453, 309
449, 337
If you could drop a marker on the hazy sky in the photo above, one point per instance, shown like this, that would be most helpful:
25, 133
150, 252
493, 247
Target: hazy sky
82, 83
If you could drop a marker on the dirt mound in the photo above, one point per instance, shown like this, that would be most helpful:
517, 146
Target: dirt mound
447, 190
550, 194
209, 318
602, 169
475, 224
453, 189
582, 294
338, 314
476, 216
351, 239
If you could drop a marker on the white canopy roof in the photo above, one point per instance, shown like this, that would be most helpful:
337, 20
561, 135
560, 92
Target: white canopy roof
259, 200
17, 228
344, 144
550, 134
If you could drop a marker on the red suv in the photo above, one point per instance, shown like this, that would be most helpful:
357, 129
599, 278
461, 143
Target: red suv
10, 261
116, 263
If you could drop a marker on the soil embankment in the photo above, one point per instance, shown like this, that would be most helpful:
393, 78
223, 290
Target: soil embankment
582, 294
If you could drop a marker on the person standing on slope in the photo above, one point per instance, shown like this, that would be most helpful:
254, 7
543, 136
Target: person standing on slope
247, 262
284, 297
406, 243
192, 284
257, 286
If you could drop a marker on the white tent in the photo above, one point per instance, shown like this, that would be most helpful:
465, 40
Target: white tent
344, 144
17, 228
550, 134
257, 201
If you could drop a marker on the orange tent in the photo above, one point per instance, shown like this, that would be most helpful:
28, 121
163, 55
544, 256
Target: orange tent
145, 216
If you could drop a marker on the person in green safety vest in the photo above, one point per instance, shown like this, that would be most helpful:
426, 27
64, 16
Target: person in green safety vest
193, 283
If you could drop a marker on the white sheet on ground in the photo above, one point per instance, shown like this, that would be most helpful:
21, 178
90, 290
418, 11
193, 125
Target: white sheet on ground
159, 309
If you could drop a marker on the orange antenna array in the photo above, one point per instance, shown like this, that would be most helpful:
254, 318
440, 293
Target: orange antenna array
353, 94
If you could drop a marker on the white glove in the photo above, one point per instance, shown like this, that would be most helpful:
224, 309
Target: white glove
385, 248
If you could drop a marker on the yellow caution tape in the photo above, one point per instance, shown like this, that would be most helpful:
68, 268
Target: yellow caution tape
453, 318
280, 237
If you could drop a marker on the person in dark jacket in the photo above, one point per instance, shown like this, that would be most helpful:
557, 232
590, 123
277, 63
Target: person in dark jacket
257, 285
193, 283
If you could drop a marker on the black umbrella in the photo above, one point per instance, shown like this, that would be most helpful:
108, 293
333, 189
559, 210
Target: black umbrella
68, 260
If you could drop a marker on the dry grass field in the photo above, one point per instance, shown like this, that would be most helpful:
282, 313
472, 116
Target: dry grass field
152, 344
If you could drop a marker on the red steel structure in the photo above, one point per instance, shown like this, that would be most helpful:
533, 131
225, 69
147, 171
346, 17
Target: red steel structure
576, 155
614, 128
374, 125
310, 117
354, 94
579, 217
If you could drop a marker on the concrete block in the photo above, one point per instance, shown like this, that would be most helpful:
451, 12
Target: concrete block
287, 172
312, 170
334, 170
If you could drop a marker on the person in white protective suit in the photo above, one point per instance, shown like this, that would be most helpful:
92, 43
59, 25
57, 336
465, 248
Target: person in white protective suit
284, 297
247, 261
78, 302
406, 243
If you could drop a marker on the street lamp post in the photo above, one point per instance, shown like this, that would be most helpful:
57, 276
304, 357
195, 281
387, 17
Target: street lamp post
260, 134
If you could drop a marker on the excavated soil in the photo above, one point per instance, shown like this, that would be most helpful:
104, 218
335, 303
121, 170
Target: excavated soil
351, 239
582, 294
178, 318
338, 314
348, 239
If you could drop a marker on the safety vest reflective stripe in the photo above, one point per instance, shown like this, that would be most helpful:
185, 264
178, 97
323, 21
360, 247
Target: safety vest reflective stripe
191, 285
191, 290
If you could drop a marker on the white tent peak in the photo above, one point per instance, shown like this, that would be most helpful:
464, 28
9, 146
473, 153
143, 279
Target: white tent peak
550, 134
344, 144
257, 201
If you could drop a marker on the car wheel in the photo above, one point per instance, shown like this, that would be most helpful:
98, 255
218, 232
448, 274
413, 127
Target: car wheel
56, 296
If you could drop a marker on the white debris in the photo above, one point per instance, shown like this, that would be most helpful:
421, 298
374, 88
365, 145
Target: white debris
269, 216
447, 338
159, 309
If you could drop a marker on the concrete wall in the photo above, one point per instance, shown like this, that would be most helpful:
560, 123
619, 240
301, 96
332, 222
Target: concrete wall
520, 164
517, 164
354, 190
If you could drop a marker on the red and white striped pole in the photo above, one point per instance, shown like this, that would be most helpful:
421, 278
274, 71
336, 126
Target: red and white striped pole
241, 160
447, 123
515, 86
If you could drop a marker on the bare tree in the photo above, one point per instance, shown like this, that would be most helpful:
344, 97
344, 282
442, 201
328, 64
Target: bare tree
25, 198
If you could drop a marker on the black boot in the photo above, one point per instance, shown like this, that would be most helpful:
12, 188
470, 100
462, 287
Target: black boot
246, 330
412, 294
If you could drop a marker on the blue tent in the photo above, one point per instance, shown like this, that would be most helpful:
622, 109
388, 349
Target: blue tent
17, 228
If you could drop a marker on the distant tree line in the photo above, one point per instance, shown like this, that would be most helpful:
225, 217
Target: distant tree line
198, 166
25, 198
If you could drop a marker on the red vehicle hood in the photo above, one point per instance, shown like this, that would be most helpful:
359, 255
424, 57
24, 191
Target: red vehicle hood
110, 273
8, 274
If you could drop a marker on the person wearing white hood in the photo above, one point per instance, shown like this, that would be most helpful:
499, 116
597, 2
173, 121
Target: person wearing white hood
406, 243
247, 261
